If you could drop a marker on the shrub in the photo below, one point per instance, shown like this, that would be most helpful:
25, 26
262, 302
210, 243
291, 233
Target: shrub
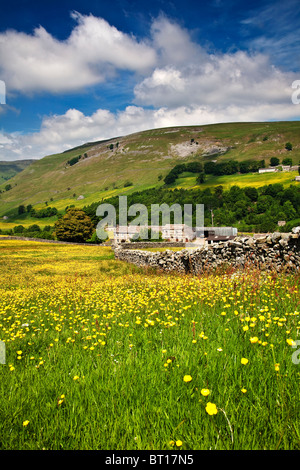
18, 229
33, 228
74, 160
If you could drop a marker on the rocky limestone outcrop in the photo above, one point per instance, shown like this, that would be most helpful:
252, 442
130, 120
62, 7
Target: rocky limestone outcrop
277, 251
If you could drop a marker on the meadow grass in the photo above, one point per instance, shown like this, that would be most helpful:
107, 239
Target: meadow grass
101, 354
242, 180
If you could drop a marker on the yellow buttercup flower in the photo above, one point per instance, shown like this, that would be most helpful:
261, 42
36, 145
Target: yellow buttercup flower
187, 378
25, 423
291, 342
205, 392
211, 408
244, 361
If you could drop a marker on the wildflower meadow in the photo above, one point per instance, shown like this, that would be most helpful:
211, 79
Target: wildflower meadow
101, 354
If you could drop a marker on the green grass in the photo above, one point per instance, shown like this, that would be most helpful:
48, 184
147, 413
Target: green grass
10, 169
249, 179
97, 352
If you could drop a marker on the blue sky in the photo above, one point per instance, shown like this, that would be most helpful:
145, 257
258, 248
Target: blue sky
78, 71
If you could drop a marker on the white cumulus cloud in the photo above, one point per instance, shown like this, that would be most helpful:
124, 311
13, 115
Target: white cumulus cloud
93, 51
179, 83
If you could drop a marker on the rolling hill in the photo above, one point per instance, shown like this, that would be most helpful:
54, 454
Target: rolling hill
140, 161
10, 169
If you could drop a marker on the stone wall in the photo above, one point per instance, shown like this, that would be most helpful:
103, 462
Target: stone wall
277, 251
137, 245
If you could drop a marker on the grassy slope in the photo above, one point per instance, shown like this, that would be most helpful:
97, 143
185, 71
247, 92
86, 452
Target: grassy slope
141, 158
10, 169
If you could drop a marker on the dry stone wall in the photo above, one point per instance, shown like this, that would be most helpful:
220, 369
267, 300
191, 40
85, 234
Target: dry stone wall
277, 251
137, 245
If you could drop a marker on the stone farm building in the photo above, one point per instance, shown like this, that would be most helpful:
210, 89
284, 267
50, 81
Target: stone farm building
173, 233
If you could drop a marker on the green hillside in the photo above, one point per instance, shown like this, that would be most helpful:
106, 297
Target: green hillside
140, 161
10, 169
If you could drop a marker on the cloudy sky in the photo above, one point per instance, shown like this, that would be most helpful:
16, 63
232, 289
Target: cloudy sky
77, 71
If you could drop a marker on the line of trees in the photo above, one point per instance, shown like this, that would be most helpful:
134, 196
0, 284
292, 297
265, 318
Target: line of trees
37, 213
193, 167
249, 209
229, 167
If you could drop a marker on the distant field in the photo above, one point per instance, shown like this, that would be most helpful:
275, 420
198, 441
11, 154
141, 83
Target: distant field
253, 179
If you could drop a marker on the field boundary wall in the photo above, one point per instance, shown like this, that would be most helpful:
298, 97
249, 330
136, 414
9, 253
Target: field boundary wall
277, 251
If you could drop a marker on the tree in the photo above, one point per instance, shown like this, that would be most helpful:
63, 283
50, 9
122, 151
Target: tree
289, 146
218, 190
194, 167
274, 161
74, 226
201, 178
251, 193
289, 210
21, 209
267, 224
18, 229
74, 160
34, 228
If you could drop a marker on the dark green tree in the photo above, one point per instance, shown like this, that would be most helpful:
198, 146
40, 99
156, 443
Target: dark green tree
33, 228
74, 226
289, 146
287, 161
201, 178
251, 193
18, 229
274, 161
21, 209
